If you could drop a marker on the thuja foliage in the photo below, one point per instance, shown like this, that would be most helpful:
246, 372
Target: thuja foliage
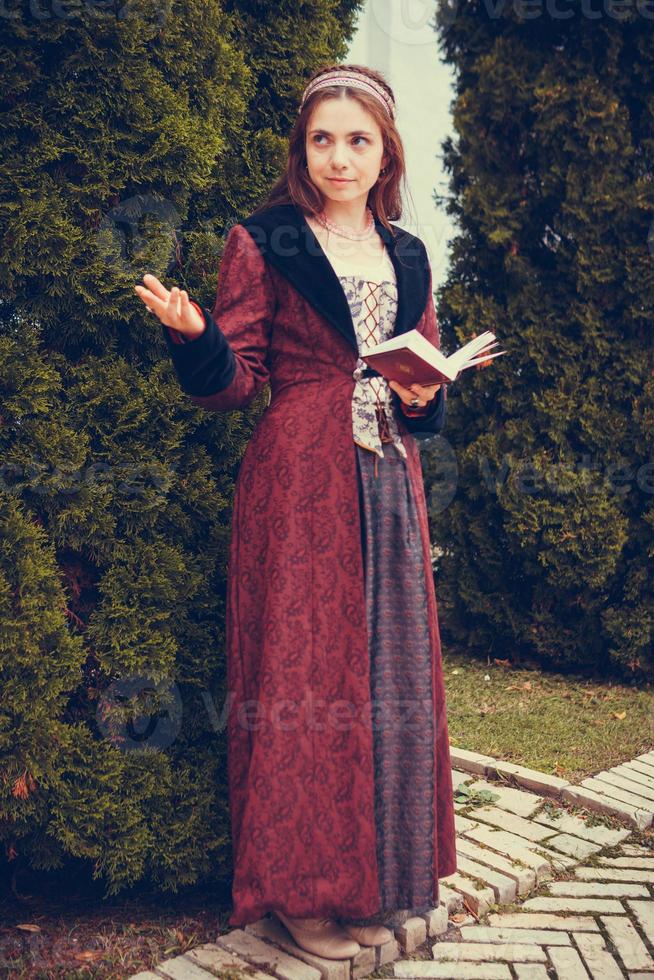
134, 136
544, 496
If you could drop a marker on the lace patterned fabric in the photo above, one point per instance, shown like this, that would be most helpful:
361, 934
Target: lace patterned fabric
372, 297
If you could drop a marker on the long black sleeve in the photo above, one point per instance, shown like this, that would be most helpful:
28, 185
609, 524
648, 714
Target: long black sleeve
206, 364
429, 424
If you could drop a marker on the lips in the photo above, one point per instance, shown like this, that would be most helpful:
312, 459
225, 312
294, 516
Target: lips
339, 180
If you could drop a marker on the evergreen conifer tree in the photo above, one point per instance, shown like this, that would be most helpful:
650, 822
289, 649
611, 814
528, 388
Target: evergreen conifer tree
134, 136
548, 538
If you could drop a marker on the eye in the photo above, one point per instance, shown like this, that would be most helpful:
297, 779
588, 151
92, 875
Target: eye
320, 136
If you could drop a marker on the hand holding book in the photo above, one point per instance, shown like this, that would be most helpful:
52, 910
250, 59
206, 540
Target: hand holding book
419, 393
410, 359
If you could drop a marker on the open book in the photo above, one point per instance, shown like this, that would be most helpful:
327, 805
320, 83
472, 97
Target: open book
411, 359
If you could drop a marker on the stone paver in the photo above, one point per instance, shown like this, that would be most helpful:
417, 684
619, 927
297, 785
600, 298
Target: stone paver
615, 874
558, 862
635, 766
452, 971
568, 823
412, 933
635, 850
616, 793
270, 958
513, 847
573, 846
504, 888
543, 920
597, 889
644, 912
618, 778
568, 963
525, 878
477, 899
514, 824
485, 765
630, 947
490, 934
514, 800
531, 971
601, 964
593, 917
182, 968
217, 959
451, 899
582, 906
272, 934
628, 862
641, 819
487, 952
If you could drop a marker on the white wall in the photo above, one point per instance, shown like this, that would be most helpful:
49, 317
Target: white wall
395, 37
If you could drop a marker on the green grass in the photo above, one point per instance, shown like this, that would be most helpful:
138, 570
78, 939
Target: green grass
564, 724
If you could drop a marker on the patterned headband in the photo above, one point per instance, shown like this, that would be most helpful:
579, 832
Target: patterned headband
341, 76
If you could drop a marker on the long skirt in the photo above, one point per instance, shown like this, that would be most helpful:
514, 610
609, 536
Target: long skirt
400, 683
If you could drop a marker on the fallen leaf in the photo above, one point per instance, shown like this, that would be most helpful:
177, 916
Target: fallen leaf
503, 663
89, 955
620, 715
28, 927
527, 685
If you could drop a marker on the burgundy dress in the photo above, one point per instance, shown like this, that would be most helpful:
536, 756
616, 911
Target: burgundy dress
340, 782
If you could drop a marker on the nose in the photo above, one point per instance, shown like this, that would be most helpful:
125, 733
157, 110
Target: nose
338, 158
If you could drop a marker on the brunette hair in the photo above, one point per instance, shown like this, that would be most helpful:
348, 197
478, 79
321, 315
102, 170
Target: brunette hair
296, 187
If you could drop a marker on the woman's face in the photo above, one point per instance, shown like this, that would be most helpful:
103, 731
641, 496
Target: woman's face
343, 140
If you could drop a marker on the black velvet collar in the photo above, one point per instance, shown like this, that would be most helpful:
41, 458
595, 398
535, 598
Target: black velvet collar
286, 240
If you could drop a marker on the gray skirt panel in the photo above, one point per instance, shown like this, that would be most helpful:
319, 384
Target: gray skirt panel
400, 686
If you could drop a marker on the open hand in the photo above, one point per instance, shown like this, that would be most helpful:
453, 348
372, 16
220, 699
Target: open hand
172, 307
424, 393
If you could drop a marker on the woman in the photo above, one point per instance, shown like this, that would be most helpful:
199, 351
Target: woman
338, 758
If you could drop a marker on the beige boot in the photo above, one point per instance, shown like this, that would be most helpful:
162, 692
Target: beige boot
322, 936
369, 935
